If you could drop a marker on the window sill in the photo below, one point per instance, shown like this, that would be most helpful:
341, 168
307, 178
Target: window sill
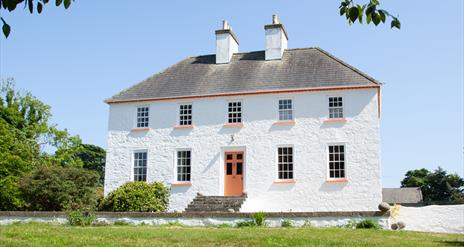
183, 127
238, 125
285, 181
140, 129
342, 180
181, 183
335, 120
287, 122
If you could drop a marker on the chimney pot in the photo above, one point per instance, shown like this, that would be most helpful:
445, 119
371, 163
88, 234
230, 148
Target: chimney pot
275, 19
225, 25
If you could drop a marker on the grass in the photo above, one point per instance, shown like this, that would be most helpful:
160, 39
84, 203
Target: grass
34, 234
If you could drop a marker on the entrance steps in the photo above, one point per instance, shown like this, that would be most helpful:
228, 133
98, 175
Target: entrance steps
203, 203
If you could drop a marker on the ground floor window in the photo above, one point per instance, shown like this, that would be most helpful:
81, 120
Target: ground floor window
140, 166
183, 165
285, 162
336, 161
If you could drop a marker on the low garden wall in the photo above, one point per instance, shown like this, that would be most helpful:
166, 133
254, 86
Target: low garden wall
316, 219
435, 218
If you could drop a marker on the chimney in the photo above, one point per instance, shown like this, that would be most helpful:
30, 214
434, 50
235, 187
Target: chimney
276, 39
226, 43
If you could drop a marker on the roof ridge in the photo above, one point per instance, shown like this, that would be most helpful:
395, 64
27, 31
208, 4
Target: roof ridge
248, 52
370, 78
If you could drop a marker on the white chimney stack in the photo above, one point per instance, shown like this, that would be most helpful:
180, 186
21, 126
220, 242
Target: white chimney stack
226, 43
276, 39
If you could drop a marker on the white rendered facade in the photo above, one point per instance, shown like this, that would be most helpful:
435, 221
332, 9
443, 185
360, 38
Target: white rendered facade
259, 138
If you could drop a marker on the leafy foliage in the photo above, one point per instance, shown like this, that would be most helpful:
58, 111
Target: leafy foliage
367, 224
437, 185
259, 218
24, 132
138, 196
11, 5
246, 223
58, 188
93, 158
287, 223
348, 8
78, 218
370, 12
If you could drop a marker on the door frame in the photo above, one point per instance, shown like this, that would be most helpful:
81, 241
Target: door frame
222, 164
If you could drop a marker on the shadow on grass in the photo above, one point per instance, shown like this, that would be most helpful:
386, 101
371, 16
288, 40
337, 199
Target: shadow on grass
452, 243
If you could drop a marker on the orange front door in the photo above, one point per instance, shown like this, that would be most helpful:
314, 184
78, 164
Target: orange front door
233, 173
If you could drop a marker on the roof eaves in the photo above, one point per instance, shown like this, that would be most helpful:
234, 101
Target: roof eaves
370, 78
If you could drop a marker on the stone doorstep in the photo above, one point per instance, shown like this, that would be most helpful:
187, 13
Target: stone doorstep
196, 214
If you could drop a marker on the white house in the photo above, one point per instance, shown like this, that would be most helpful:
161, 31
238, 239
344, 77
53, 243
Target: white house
275, 130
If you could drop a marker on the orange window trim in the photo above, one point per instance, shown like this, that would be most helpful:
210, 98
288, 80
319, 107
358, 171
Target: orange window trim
140, 129
290, 181
247, 93
183, 127
335, 120
337, 181
176, 183
233, 125
289, 122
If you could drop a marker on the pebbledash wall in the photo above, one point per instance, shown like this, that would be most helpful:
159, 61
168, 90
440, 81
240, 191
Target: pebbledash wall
258, 138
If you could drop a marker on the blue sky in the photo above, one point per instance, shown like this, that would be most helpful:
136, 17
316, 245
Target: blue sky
74, 59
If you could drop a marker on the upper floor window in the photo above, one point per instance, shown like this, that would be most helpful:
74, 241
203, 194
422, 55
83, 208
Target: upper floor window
335, 107
183, 165
234, 112
337, 161
285, 109
142, 116
285, 162
185, 114
140, 166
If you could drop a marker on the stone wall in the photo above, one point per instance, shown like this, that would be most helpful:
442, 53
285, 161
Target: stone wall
325, 219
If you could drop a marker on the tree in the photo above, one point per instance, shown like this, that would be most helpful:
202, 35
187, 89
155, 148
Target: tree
351, 10
23, 120
60, 188
437, 185
93, 158
370, 12
11, 5
25, 131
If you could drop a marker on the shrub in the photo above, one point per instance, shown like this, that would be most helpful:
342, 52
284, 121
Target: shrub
77, 218
259, 218
138, 196
287, 223
247, 223
367, 224
121, 223
60, 188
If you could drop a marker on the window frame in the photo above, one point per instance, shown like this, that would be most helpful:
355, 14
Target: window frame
176, 156
328, 107
292, 109
178, 120
133, 164
345, 162
277, 179
241, 112
136, 124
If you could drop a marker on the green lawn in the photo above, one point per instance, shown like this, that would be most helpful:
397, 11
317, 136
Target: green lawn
59, 235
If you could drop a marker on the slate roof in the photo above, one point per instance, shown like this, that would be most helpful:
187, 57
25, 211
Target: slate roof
411, 195
247, 72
